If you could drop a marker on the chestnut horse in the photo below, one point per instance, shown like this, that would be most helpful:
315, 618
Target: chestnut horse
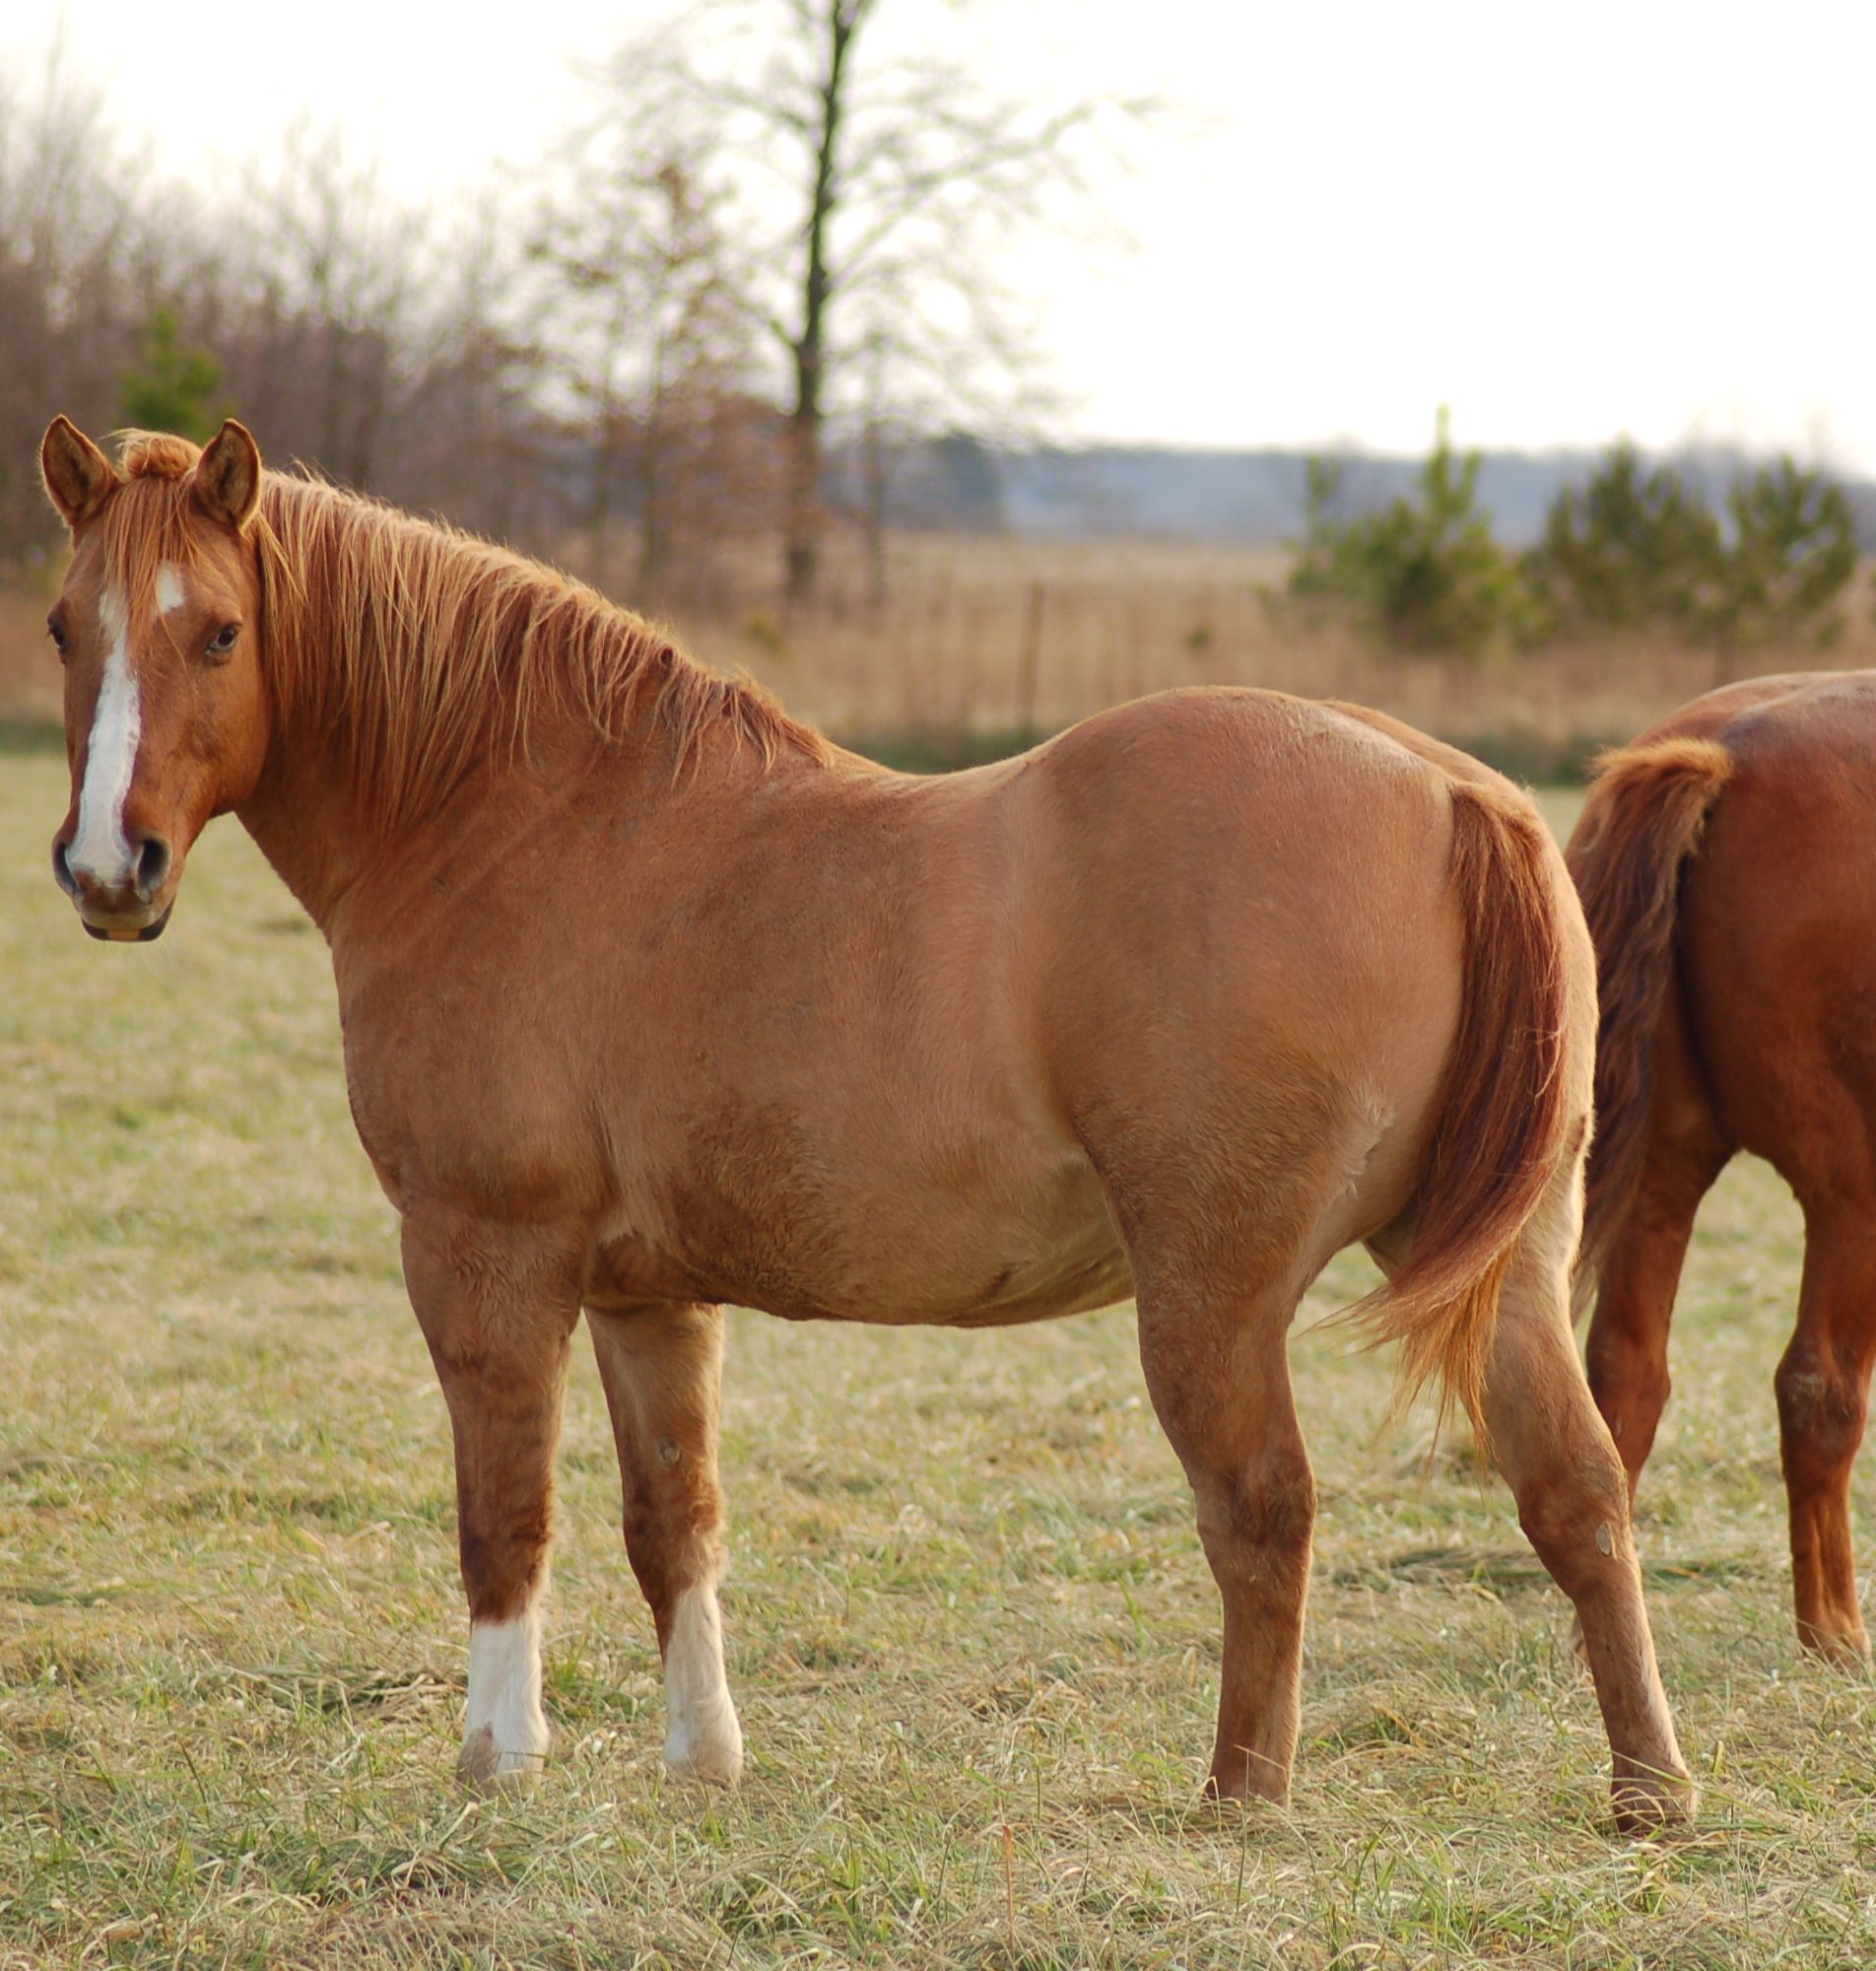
653, 999
1725, 863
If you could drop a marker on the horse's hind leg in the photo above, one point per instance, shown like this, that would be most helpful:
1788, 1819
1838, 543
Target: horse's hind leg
662, 1367
1572, 1502
497, 1305
1686, 1150
1822, 1386
1627, 1346
1218, 1371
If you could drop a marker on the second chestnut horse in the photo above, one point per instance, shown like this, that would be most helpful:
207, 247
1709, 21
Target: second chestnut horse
1727, 867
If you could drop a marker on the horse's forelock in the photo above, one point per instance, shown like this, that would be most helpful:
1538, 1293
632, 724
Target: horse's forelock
146, 455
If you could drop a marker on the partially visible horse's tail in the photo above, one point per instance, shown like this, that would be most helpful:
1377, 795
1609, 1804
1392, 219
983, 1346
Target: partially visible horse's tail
1502, 1121
1642, 820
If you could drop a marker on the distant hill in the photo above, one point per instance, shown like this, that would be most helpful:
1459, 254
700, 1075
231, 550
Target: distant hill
1232, 496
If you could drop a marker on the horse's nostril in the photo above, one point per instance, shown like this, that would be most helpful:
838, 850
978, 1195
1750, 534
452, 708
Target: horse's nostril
153, 865
62, 869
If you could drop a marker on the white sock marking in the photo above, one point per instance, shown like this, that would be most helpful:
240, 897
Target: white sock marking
703, 1739
169, 592
504, 1698
99, 849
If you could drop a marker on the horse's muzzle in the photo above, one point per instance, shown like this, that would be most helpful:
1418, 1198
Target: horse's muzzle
146, 934
125, 911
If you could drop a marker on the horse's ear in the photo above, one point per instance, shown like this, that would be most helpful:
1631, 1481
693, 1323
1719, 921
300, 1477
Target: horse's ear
227, 475
78, 477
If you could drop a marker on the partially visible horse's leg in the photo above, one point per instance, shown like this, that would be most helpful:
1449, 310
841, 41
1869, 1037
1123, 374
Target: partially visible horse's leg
1823, 1386
498, 1305
1218, 1370
662, 1367
1572, 1502
1627, 1348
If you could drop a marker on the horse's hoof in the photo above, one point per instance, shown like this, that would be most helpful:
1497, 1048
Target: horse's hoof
1842, 1649
1649, 1805
715, 1769
484, 1766
1268, 1789
709, 1751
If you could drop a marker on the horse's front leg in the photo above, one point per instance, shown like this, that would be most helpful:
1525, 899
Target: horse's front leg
662, 1367
498, 1304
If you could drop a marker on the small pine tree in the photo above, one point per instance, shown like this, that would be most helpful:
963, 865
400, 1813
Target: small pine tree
1791, 554
1426, 574
1632, 549
171, 386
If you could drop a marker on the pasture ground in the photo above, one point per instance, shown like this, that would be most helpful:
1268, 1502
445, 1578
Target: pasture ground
965, 1594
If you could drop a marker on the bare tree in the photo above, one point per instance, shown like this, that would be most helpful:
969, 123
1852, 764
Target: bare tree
649, 327
769, 217
66, 207
466, 434
333, 271
897, 180
358, 335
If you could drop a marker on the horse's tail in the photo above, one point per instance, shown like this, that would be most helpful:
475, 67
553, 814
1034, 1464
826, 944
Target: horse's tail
1503, 1118
1642, 820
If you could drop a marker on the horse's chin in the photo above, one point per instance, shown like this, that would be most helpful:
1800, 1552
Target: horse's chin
147, 933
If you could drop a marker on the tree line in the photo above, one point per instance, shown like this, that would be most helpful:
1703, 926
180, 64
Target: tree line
725, 315
774, 238
1636, 549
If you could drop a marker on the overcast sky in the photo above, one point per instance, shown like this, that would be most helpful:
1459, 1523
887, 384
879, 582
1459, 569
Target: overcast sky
1563, 220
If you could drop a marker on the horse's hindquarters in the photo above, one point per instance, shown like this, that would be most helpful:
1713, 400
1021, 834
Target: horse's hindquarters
1247, 963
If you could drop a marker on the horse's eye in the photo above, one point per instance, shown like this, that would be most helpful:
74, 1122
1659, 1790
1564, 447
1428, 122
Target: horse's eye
224, 641
59, 642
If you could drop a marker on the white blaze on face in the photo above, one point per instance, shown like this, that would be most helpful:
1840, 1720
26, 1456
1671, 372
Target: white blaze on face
704, 1740
99, 849
506, 1731
169, 591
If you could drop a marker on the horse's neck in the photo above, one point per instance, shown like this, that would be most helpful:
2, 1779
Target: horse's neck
332, 852
312, 830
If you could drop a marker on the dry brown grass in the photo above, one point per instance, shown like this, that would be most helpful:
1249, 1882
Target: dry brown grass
1118, 618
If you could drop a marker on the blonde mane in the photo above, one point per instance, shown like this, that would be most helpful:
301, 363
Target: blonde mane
421, 651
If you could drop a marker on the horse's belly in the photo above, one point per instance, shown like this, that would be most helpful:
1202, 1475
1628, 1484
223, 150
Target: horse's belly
1017, 1281
997, 1287
1067, 1285
1025, 1244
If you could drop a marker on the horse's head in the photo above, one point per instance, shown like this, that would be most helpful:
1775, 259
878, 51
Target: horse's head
158, 627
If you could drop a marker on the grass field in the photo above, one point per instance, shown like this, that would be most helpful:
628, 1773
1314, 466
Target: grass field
970, 1630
